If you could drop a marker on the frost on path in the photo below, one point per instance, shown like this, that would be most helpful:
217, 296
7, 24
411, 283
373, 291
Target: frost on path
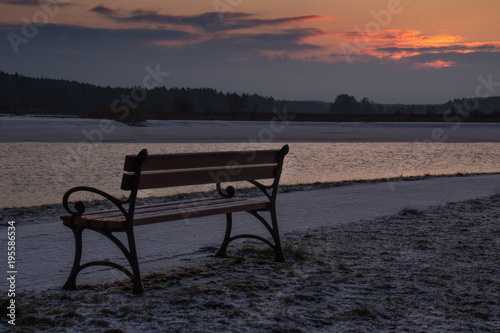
419, 271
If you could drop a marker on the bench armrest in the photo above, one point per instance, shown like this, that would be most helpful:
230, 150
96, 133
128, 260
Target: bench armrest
264, 189
80, 206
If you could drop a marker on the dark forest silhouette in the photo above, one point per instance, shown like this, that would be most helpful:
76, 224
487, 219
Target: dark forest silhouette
20, 95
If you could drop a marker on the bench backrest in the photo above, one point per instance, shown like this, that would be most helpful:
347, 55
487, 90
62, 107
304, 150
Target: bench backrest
170, 170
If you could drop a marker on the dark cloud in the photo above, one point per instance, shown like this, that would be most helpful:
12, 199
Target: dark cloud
252, 23
472, 58
206, 21
210, 21
449, 48
21, 2
286, 40
34, 2
74, 38
237, 42
101, 9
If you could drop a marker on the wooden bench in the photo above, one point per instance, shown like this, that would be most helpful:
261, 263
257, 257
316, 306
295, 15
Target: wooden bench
145, 171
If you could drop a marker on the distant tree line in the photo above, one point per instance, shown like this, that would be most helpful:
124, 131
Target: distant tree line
20, 94
345, 104
24, 94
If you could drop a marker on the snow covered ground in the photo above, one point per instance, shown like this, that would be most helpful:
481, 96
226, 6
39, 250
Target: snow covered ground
351, 268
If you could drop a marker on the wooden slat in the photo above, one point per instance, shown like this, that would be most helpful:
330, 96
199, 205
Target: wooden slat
172, 211
115, 213
199, 177
93, 224
200, 212
202, 160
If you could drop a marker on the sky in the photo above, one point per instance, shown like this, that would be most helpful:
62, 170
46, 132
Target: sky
391, 51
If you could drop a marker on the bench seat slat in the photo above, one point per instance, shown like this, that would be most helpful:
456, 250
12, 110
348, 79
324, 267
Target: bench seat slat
168, 212
201, 211
116, 213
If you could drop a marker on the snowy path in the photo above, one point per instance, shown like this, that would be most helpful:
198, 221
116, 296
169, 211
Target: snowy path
45, 248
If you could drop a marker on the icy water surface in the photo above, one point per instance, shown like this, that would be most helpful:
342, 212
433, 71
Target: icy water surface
39, 173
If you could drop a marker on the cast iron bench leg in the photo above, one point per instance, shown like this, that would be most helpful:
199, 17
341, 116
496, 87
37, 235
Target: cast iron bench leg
278, 250
279, 255
71, 282
227, 236
134, 263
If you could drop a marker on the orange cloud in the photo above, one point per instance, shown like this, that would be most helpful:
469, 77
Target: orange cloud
395, 44
399, 45
434, 64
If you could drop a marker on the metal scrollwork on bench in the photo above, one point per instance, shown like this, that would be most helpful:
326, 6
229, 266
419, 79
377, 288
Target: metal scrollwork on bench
263, 188
80, 206
227, 193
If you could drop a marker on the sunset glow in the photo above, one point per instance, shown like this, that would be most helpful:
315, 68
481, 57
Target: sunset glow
333, 35
435, 64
